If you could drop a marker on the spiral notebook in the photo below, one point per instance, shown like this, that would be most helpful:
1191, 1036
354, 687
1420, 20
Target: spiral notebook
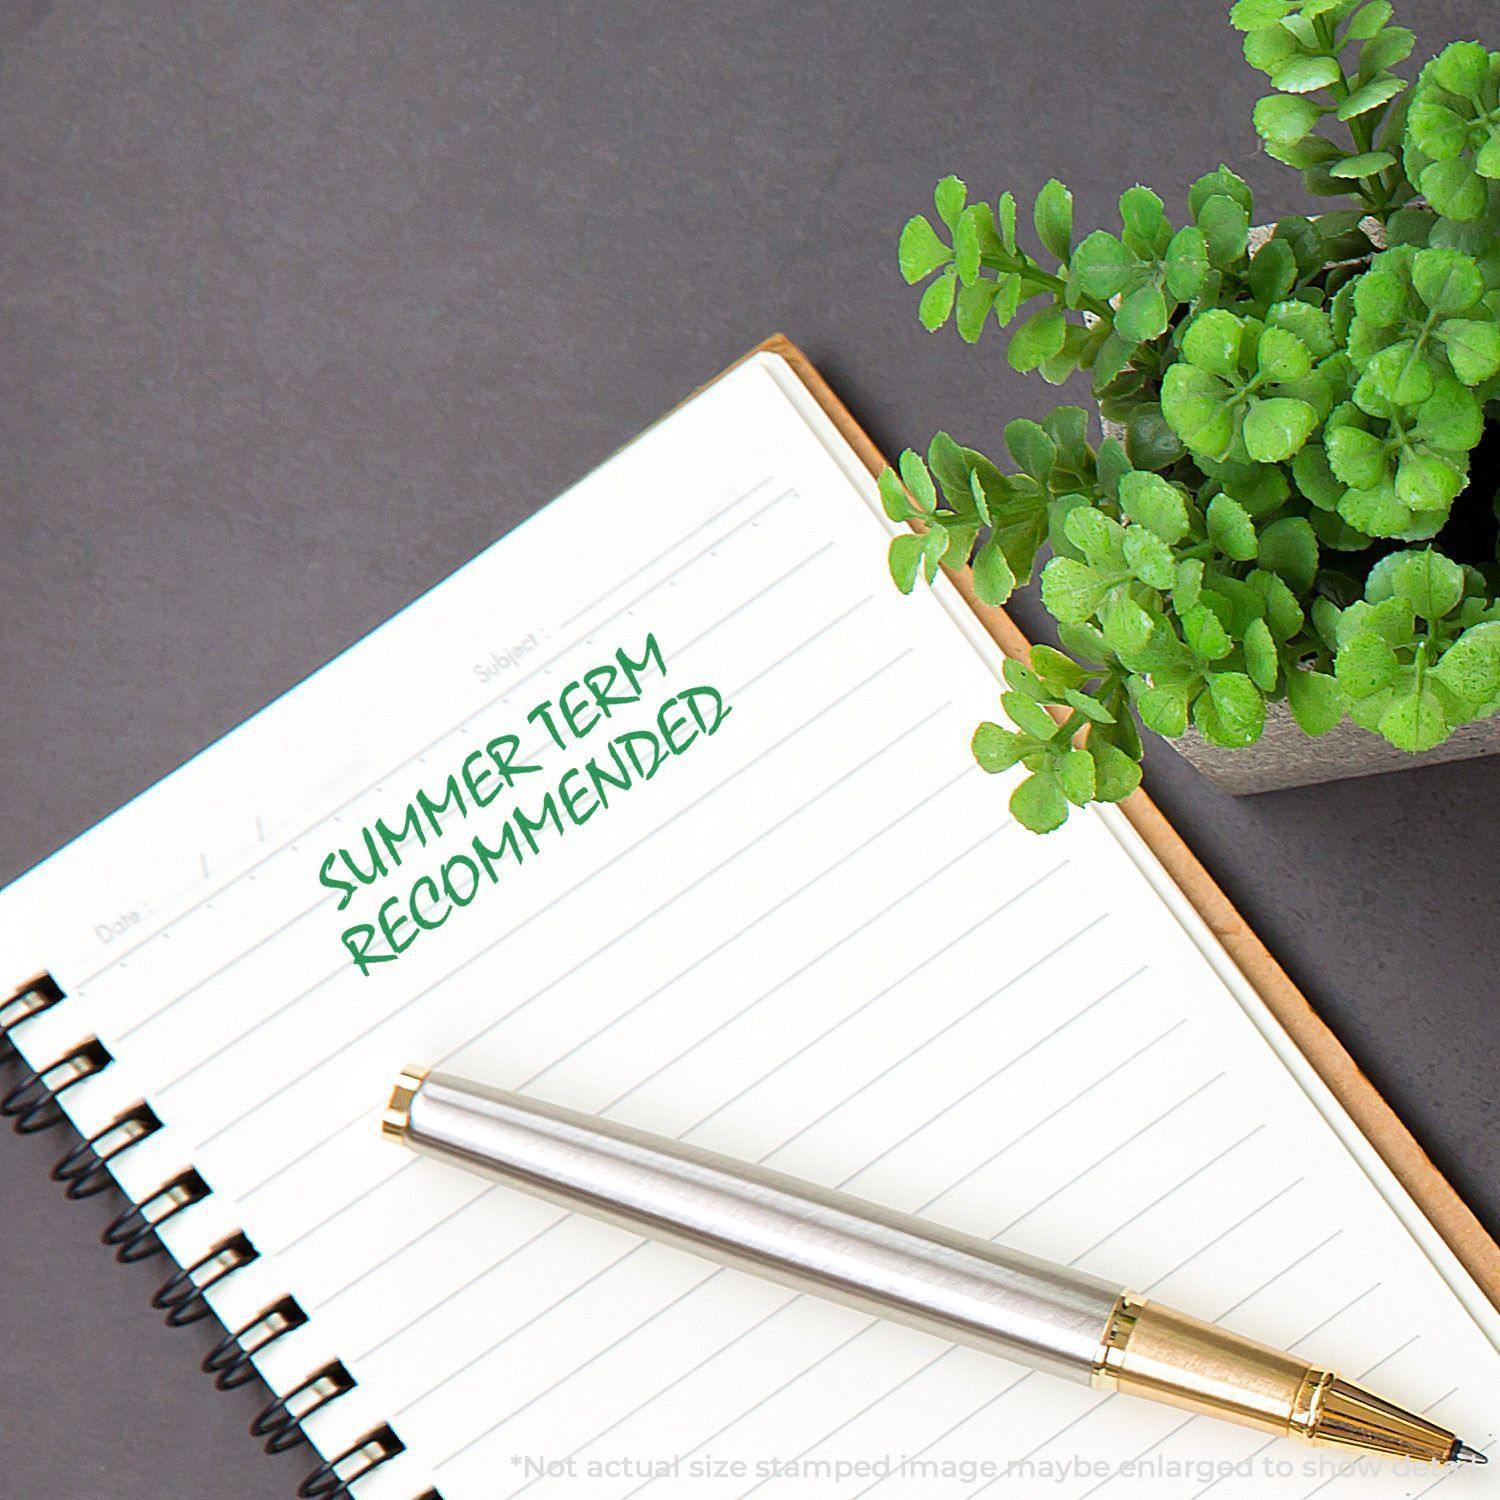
663, 807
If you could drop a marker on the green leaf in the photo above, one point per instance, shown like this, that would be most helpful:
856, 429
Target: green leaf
1056, 669
1446, 280
1037, 339
1149, 558
1302, 75
1075, 774
937, 301
1164, 709
1071, 590
1454, 189
1196, 404
1149, 501
1365, 664
918, 481
893, 497
1379, 296
1212, 343
935, 542
1029, 715
1150, 442
1367, 20
997, 749
1142, 314
1127, 627
904, 560
1101, 265
1261, 659
1462, 68
949, 198
1276, 428
1385, 50
1273, 271
1427, 580
1116, 774
1415, 721
1281, 355
946, 460
1357, 457
1426, 482
1084, 641
1206, 637
1239, 707
1366, 164
1289, 549
1039, 803
1053, 217
994, 580
1019, 676
1371, 96
1315, 699
1143, 221
1451, 417
1252, 15
1186, 263
1282, 612
1285, 118
1189, 584
1231, 529
1221, 180
974, 304
920, 252
1005, 211
1031, 448
1226, 230
1473, 348
1470, 667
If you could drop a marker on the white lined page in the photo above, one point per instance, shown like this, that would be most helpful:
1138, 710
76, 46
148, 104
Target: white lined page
813, 940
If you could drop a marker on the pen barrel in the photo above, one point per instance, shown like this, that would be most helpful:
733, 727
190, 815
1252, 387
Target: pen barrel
816, 1240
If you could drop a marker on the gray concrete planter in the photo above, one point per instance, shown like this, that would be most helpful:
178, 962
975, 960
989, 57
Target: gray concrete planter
1285, 756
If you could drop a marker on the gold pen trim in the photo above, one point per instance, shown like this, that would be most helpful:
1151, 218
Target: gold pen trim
1150, 1350
397, 1116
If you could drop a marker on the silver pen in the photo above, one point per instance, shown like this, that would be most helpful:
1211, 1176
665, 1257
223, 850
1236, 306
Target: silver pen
894, 1266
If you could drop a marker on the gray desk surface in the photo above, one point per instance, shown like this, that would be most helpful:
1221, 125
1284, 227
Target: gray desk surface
302, 305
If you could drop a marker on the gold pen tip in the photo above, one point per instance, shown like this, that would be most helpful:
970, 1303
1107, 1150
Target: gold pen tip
397, 1116
1464, 1454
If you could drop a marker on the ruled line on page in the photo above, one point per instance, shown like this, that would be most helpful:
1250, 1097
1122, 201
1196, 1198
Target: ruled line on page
405, 1004
770, 911
401, 765
843, 859
1183, 1182
630, 578
1019, 1057
972, 848
541, 745
567, 974
905, 1057
609, 1266
922, 1208
343, 968
1011, 1062
870, 1327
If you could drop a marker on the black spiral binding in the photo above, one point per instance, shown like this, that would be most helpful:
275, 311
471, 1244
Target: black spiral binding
32, 1105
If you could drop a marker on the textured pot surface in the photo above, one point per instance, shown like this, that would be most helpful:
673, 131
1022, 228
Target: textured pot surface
1284, 756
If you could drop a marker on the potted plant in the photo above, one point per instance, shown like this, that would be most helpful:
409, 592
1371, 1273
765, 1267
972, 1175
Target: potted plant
1292, 517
